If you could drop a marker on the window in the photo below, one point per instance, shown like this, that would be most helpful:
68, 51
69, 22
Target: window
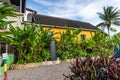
82, 36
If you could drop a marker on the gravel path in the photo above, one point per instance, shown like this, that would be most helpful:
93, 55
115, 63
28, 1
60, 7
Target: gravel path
48, 72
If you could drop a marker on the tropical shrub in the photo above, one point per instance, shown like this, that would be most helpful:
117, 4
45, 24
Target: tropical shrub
100, 44
45, 55
68, 43
31, 42
102, 68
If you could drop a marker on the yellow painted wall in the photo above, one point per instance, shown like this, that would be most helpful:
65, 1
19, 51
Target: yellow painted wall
88, 33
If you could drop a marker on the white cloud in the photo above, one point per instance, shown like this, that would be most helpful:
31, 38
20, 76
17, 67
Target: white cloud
83, 10
71, 9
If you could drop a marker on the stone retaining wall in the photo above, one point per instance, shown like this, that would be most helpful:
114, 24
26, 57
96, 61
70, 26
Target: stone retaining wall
30, 65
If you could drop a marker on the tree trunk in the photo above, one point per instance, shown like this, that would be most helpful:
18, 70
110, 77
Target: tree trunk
108, 27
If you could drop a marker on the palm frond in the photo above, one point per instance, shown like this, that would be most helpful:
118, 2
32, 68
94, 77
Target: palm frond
117, 23
100, 24
101, 15
110, 15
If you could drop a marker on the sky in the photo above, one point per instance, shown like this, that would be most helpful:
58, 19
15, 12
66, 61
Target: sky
81, 10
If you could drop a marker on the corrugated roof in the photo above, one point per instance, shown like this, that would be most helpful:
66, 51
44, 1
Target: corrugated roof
61, 22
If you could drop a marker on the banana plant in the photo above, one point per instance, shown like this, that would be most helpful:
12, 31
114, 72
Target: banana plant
29, 41
70, 34
68, 39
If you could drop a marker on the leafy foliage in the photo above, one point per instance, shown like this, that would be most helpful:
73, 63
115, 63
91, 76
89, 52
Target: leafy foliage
100, 44
109, 16
67, 45
30, 42
102, 68
5, 11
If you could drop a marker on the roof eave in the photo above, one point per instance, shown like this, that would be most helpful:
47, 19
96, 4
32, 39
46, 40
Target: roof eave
62, 27
65, 27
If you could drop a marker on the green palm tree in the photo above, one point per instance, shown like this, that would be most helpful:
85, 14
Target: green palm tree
5, 11
110, 15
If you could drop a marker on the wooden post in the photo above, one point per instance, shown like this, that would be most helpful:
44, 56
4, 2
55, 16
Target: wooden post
5, 70
5, 56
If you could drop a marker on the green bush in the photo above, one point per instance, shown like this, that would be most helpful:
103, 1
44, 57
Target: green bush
67, 44
102, 68
45, 55
30, 42
101, 44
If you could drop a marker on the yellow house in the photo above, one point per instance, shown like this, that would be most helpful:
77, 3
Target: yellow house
55, 23
58, 25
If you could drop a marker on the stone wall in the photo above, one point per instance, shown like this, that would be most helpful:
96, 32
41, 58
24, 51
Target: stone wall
18, 21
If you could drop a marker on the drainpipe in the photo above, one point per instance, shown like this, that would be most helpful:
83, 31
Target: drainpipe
53, 50
21, 6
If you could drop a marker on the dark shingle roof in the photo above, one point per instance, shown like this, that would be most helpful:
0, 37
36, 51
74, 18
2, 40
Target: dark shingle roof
61, 22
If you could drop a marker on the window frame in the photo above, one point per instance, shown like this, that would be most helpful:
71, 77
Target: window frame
82, 37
